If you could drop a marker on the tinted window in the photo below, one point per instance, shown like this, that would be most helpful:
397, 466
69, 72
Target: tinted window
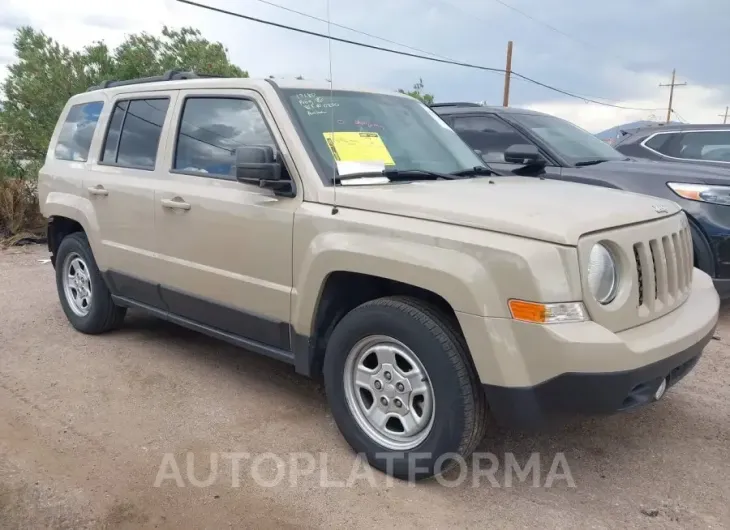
212, 128
396, 131
115, 128
709, 145
134, 132
659, 142
490, 135
77, 131
566, 139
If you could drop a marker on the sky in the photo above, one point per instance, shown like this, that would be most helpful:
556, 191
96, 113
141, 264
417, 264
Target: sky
618, 51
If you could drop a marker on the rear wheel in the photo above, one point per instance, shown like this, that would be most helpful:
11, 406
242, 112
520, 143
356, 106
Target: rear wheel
402, 388
84, 295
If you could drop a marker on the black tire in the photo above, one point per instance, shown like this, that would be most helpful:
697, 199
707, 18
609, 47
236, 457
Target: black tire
103, 315
460, 412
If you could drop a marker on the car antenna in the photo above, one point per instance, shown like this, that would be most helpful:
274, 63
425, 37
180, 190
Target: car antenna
335, 210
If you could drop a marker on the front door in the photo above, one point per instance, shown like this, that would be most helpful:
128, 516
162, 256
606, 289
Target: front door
226, 246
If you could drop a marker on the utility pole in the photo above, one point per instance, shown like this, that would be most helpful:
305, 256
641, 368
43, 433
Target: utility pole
724, 120
507, 75
671, 94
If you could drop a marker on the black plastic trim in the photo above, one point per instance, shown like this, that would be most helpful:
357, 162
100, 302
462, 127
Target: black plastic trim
248, 344
170, 75
304, 355
200, 312
134, 288
227, 319
589, 393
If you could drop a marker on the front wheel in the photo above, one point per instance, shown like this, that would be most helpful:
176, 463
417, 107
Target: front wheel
402, 388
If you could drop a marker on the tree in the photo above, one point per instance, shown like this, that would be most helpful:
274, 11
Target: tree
46, 74
418, 93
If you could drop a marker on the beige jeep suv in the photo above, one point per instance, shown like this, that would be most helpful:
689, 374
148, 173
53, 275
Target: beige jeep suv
352, 234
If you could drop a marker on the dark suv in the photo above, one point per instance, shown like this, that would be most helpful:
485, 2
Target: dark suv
526, 142
703, 144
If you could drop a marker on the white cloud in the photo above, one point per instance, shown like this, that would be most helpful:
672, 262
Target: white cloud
694, 103
76, 23
469, 30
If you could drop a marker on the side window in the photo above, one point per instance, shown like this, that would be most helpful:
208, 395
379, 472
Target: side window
210, 131
660, 142
490, 135
711, 145
134, 132
77, 131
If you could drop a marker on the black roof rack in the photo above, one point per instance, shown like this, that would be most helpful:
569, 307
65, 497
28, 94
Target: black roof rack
170, 75
456, 104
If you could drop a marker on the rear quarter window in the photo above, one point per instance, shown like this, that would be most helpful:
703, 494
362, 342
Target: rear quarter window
659, 142
77, 131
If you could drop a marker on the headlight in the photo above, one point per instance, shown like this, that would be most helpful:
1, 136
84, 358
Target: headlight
602, 276
702, 192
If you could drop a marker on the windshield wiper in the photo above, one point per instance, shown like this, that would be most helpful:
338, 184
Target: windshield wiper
398, 175
475, 172
591, 162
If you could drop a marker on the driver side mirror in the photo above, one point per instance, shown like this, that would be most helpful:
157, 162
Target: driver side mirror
526, 154
256, 164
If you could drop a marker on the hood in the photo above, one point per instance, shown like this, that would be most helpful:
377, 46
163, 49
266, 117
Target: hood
548, 210
670, 171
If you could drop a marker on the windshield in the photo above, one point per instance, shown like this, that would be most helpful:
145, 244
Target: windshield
569, 141
376, 130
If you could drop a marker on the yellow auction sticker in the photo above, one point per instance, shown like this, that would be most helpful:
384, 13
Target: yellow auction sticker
358, 147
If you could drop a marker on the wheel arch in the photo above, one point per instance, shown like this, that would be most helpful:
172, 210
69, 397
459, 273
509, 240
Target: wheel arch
66, 214
704, 257
341, 292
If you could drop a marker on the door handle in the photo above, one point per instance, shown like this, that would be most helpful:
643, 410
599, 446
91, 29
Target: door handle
98, 190
176, 204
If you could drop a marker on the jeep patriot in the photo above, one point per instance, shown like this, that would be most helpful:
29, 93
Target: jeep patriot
353, 234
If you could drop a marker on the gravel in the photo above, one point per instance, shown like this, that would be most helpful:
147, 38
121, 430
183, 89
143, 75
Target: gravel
142, 428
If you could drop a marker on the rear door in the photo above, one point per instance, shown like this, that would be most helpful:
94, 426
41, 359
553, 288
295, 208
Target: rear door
120, 186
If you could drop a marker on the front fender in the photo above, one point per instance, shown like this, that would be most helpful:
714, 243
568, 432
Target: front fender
475, 271
455, 276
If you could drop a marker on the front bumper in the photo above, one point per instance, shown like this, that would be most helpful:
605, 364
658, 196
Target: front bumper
533, 372
590, 393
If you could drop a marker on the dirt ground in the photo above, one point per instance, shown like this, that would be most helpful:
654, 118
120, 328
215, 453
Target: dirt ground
94, 430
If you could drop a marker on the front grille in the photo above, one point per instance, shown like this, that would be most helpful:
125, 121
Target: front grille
664, 269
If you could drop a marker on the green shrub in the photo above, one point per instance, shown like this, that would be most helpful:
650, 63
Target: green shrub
20, 216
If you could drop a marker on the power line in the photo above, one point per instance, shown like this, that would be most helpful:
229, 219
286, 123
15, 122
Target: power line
679, 116
724, 116
671, 93
312, 17
407, 54
553, 28
535, 20
586, 99
348, 28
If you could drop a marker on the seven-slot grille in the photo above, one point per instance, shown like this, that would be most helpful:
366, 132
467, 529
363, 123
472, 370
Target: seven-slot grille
664, 266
